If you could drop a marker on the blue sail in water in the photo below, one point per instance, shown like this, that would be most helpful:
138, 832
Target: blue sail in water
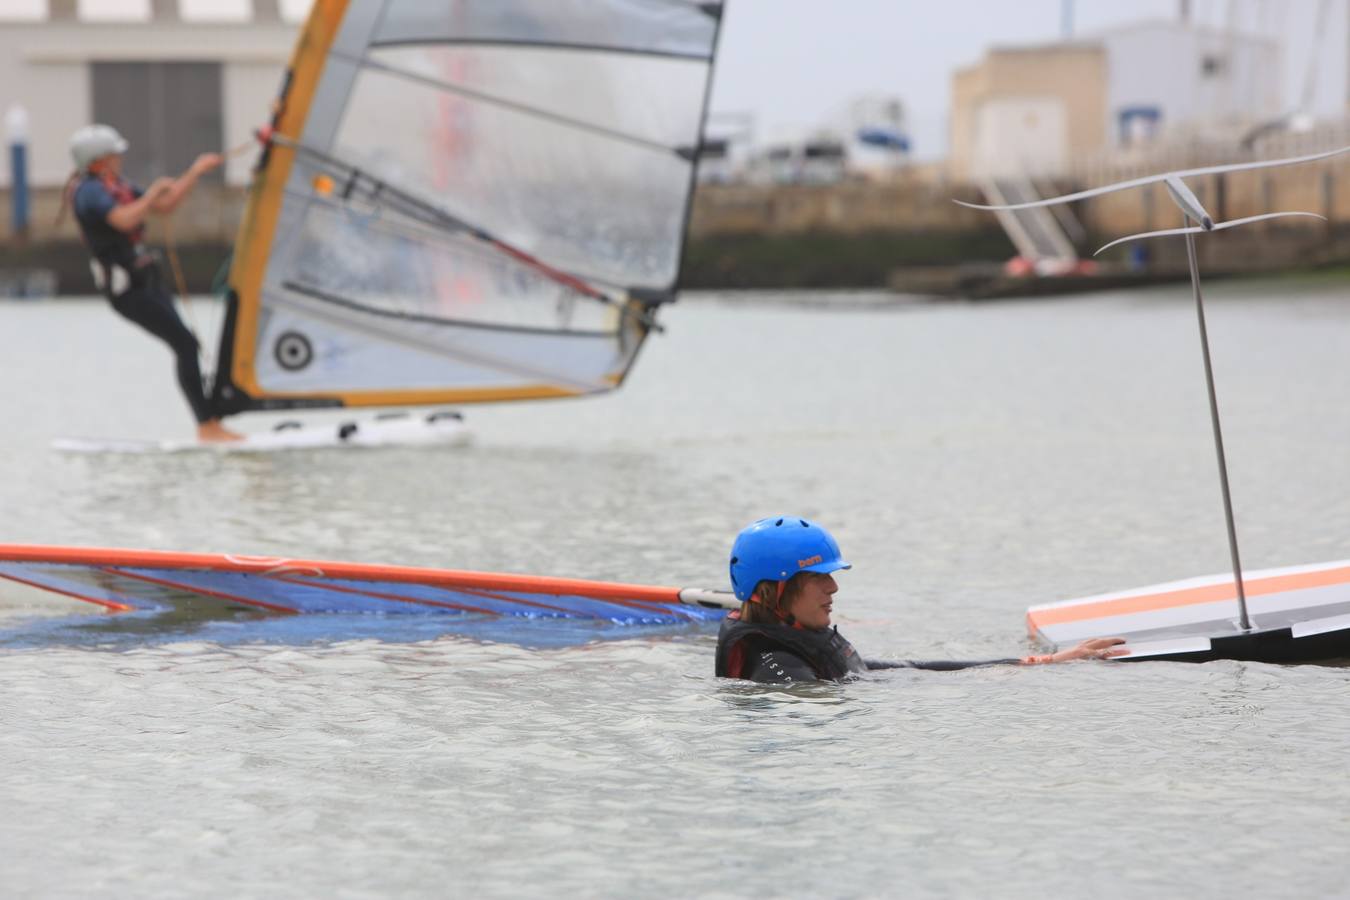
169, 595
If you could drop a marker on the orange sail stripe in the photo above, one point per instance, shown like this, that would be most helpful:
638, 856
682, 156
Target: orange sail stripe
107, 604
1212, 593
258, 226
205, 592
427, 397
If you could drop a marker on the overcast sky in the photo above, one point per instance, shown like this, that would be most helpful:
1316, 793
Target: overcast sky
795, 65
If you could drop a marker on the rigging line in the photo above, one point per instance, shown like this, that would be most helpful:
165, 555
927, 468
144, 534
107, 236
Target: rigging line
180, 283
416, 229
435, 216
686, 154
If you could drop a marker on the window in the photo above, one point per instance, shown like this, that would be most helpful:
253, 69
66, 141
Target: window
168, 111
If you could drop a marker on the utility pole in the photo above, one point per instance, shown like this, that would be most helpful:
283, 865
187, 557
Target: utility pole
16, 126
1066, 20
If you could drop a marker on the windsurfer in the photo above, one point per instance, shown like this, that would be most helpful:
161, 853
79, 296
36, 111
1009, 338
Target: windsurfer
781, 571
111, 213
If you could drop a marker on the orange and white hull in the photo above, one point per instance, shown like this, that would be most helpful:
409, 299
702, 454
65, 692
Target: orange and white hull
1298, 614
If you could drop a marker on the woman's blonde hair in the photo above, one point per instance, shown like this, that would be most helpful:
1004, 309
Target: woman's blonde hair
767, 606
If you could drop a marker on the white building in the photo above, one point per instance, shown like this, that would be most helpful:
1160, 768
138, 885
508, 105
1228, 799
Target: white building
1037, 110
176, 77
1167, 76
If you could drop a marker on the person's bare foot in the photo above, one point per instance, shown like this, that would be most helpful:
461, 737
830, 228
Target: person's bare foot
212, 432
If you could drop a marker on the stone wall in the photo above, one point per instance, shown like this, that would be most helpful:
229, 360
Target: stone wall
847, 235
1322, 188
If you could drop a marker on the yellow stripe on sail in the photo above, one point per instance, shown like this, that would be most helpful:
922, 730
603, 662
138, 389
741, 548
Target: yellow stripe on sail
254, 242
427, 397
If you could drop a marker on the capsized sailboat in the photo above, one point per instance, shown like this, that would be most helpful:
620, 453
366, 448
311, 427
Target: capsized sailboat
218, 586
462, 201
1277, 615
1298, 614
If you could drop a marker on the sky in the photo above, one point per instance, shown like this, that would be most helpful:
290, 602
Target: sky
796, 65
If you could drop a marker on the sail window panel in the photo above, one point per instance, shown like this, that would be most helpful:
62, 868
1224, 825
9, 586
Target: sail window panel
585, 203
365, 353
639, 100
370, 257
673, 27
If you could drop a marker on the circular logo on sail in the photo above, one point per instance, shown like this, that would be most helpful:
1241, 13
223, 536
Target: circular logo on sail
293, 351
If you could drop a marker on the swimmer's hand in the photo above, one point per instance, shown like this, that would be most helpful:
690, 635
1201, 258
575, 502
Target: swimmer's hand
1096, 648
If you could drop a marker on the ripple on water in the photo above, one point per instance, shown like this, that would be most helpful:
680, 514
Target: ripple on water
972, 460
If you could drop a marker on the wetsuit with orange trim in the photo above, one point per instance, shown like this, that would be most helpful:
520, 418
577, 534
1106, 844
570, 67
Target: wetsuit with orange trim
788, 654
129, 276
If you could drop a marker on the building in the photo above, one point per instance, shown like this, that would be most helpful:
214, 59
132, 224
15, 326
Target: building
1175, 78
174, 82
1033, 111
1028, 110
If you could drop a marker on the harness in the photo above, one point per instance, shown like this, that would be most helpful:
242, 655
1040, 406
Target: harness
115, 272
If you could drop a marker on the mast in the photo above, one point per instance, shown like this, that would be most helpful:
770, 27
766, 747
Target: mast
1244, 621
1192, 210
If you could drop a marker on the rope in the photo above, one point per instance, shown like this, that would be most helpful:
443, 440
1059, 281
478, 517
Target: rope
180, 283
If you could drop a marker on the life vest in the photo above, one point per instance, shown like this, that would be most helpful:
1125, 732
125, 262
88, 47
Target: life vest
123, 262
825, 650
122, 191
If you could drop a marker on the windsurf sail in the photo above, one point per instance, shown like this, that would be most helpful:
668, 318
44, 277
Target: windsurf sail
1297, 614
466, 200
125, 581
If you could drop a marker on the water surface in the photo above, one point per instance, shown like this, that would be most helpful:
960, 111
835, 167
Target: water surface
972, 460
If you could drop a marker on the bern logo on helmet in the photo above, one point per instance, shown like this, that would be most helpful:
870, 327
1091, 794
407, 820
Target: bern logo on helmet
809, 561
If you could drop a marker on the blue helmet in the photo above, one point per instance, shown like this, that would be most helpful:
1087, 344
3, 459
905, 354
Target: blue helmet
777, 548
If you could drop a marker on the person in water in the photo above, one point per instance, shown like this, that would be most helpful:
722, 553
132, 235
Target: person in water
111, 213
782, 572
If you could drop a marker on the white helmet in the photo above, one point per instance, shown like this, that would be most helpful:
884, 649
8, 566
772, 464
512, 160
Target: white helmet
95, 142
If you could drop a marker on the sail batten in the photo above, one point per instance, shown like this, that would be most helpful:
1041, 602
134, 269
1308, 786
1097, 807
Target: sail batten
439, 320
468, 199
587, 48
505, 103
426, 214
652, 26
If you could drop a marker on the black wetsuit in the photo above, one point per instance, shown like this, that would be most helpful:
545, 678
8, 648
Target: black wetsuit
130, 277
781, 654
